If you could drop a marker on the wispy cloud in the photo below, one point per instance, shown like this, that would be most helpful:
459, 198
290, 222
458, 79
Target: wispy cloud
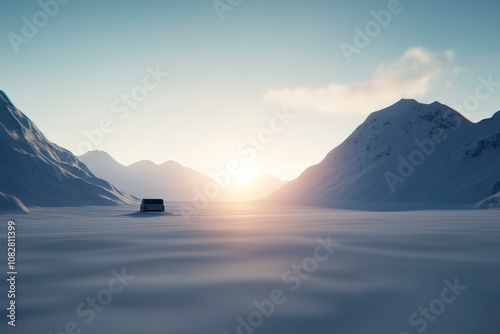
411, 76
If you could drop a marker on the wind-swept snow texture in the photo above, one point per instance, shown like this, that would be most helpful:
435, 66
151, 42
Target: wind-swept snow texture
369, 273
40, 173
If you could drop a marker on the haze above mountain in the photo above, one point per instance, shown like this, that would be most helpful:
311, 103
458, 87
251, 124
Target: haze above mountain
407, 153
37, 172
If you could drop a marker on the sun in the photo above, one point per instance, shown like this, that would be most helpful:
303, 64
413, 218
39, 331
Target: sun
247, 174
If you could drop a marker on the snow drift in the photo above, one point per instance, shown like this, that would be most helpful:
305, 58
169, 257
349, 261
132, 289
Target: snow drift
492, 202
11, 204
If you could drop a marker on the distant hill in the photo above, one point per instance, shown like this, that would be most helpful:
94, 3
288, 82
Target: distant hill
170, 180
407, 153
37, 172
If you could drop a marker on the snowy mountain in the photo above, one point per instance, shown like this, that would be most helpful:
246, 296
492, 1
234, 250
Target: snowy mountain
407, 153
491, 202
170, 180
39, 173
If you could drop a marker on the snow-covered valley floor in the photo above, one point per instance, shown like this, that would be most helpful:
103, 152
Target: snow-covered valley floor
239, 268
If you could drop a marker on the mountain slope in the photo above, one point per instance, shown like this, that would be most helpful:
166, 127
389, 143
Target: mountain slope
40, 173
11, 204
408, 152
491, 202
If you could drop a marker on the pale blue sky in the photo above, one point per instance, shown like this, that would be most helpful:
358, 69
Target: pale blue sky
225, 77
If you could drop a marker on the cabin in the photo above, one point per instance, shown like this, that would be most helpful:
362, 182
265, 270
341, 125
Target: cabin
152, 204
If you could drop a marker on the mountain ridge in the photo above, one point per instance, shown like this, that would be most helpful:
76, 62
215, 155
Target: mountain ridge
169, 180
40, 173
361, 167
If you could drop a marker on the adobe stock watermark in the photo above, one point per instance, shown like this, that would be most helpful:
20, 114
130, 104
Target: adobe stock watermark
416, 158
122, 108
371, 30
31, 26
223, 6
425, 315
427, 147
292, 279
87, 310
247, 151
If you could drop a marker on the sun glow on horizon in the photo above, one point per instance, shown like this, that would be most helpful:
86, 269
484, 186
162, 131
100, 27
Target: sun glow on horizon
247, 174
